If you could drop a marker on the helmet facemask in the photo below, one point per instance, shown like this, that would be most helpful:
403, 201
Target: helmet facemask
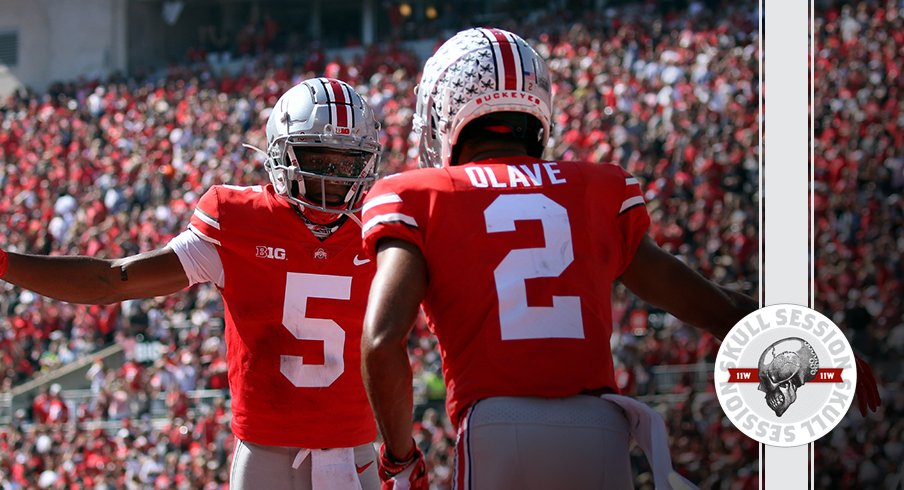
323, 179
323, 149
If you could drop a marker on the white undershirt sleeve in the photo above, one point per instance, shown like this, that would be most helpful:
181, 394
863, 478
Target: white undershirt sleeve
199, 258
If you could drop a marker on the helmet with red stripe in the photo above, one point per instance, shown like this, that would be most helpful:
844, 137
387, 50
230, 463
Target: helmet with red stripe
322, 148
479, 72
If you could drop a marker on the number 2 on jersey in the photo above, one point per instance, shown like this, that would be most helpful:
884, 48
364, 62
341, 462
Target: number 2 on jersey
300, 287
517, 320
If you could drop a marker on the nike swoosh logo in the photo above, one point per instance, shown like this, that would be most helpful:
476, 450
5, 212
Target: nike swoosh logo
361, 469
358, 261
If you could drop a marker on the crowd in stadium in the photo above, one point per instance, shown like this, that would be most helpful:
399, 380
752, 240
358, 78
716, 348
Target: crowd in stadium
859, 129
113, 168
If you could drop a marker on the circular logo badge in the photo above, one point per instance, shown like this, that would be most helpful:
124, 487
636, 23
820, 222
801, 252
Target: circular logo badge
785, 375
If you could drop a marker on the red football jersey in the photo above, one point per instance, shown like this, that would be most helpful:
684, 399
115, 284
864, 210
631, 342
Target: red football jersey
294, 313
521, 257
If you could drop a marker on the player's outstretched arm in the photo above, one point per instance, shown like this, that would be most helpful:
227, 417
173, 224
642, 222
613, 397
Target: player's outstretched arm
662, 280
89, 280
392, 307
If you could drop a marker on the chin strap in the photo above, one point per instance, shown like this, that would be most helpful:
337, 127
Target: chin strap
354, 218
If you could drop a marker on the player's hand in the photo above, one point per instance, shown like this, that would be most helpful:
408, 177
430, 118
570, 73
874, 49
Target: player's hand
410, 474
867, 393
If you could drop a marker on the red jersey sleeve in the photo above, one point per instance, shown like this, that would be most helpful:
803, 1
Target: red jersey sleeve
395, 208
633, 220
205, 221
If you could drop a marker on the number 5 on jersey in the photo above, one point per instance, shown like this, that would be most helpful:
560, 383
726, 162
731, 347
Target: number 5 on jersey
300, 287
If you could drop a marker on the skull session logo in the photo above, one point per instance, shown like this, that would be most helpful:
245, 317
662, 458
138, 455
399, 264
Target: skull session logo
785, 375
781, 374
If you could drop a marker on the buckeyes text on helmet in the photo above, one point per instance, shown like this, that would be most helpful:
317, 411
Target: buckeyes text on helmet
478, 72
314, 122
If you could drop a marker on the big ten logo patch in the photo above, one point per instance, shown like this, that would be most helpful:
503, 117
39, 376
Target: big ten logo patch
265, 252
785, 375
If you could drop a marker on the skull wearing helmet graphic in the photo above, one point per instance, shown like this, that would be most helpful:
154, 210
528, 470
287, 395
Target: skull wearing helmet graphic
784, 367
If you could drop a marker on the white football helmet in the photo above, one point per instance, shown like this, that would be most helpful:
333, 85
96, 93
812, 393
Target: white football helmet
323, 131
478, 72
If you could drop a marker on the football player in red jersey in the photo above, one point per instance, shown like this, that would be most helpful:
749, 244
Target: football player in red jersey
285, 257
513, 259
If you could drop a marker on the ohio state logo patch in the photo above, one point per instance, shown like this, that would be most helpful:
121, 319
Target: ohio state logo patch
785, 375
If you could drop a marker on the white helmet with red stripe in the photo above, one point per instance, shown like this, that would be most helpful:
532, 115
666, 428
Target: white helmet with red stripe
323, 148
475, 73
